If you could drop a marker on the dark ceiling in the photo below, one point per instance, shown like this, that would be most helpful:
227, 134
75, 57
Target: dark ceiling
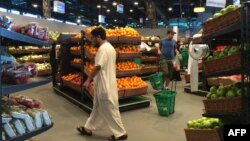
87, 9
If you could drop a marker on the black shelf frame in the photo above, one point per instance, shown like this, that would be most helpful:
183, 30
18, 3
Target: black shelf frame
17, 38
242, 28
10, 38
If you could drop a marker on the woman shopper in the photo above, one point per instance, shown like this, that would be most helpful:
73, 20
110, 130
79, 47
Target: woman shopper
106, 107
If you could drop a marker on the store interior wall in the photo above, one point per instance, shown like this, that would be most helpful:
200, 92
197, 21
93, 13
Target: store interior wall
53, 26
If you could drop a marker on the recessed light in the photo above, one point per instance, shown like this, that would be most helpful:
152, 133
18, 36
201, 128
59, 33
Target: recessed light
115, 20
98, 6
170, 9
35, 5
146, 19
136, 3
78, 21
183, 13
131, 10
108, 10
114, 3
106, 0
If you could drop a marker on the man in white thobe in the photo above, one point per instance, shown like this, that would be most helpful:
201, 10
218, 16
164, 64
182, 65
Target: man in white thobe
105, 104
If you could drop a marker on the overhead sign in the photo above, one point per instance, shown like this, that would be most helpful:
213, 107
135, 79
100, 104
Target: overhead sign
59, 7
120, 8
216, 3
101, 19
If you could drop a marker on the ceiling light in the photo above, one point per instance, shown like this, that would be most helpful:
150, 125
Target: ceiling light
108, 10
106, 0
114, 3
78, 21
131, 10
199, 9
98, 6
115, 20
136, 3
170, 9
35, 5
183, 13
146, 19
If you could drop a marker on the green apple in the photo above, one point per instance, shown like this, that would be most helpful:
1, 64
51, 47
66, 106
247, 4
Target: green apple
231, 93
216, 15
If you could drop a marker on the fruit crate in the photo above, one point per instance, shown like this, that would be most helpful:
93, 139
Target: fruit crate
72, 86
213, 81
120, 92
135, 91
130, 40
223, 64
150, 59
113, 39
165, 101
89, 55
44, 72
222, 106
76, 65
75, 52
150, 69
124, 73
204, 134
222, 22
129, 55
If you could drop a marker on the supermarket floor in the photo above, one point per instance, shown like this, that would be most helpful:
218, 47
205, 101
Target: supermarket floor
142, 124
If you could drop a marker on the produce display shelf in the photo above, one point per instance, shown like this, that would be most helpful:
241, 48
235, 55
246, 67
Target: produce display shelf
17, 52
40, 60
151, 41
17, 37
222, 115
230, 29
44, 72
150, 59
76, 65
225, 73
125, 104
153, 50
33, 82
31, 134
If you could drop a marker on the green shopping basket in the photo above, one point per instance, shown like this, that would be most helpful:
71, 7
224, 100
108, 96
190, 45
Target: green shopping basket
165, 101
156, 81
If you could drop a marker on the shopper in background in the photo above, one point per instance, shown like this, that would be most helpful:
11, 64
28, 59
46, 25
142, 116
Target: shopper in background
167, 50
106, 107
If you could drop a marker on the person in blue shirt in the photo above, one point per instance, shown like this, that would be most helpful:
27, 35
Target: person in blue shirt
167, 51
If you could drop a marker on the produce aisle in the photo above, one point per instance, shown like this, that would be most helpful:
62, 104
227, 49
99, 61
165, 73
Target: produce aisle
148, 121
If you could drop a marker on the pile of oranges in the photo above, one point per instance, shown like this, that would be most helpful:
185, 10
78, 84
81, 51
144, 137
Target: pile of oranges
91, 49
127, 65
127, 31
77, 60
75, 48
127, 49
70, 76
90, 66
130, 82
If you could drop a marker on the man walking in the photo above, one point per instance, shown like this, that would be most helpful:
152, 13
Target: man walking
167, 51
106, 107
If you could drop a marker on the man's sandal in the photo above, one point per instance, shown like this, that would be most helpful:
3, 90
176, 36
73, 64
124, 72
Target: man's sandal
113, 138
83, 131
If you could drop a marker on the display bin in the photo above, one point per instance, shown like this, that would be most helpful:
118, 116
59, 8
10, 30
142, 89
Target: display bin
135, 91
44, 72
149, 70
38, 60
223, 64
120, 92
121, 73
165, 101
89, 55
222, 22
73, 86
222, 106
129, 55
204, 134
156, 81
130, 40
76, 65
113, 39
75, 52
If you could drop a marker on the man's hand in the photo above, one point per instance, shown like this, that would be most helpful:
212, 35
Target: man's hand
86, 84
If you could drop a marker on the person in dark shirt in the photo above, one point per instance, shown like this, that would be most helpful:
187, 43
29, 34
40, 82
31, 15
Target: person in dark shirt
167, 51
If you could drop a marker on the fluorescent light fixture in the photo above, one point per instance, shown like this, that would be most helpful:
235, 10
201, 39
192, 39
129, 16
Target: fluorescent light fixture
71, 23
50, 19
136, 3
114, 3
131, 10
30, 15
60, 21
78, 20
106, 0
199, 9
98, 6
3, 9
108, 10
170, 9
15, 12
35, 5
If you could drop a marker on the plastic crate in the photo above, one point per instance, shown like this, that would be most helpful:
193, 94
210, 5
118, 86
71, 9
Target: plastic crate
156, 81
165, 101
